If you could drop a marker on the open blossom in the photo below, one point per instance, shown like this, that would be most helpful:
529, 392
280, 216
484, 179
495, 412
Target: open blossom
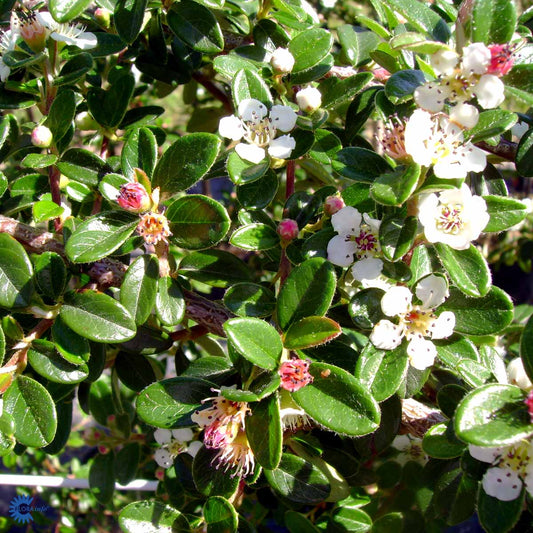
295, 374
512, 468
393, 139
258, 128
454, 217
516, 374
416, 323
357, 239
71, 34
225, 432
8, 41
153, 228
293, 417
436, 140
410, 449
462, 78
173, 443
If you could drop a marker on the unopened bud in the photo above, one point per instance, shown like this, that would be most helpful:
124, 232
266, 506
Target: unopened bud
282, 61
501, 59
160, 473
332, 204
111, 419
103, 17
309, 99
288, 229
84, 121
41, 136
133, 197
103, 449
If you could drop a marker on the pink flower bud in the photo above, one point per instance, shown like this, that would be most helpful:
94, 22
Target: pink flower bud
111, 419
160, 473
103, 17
97, 435
102, 449
295, 374
501, 59
41, 136
529, 402
288, 229
133, 197
381, 74
332, 204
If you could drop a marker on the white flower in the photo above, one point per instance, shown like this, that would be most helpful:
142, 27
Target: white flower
410, 449
292, 416
435, 140
282, 60
72, 34
172, 444
415, 322
444, 62
476, 58
259, 130
309, 99
454, 217
511, 469
8, 41
366, 270
489, 91
465, 115
517, 374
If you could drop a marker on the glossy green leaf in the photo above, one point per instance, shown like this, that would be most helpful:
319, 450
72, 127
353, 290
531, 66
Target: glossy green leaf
493, 415
83, 166
349, 519
453, 350
100, 235
492, 122
342, 91
526, 347
127, 462
309, 48
16, 285
169, 302
250, 299
73, 347
310, 331
467, 269
357, 45
139, 287
479, 316
67, 10
61, 114
255, 237
197, 221
338, 401
489, 21
248, 84
360, 164
504, 212
401, 85
74, 69
397, 236
102, 477
496, 515
211, 481
264, 432
298, 480
128, 18
38, 160
33, 412
220, 515
97, 316
165, 403
298, 523
307, 291
196, 26
256, 340
524, 155
394, 188
44, 210
440, 442
186, 161
139, 151
146, 515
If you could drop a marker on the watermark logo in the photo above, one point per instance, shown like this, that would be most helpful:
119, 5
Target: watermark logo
21, 507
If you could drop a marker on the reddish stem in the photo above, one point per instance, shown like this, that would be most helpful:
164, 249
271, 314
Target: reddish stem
53, 177
289, 187
218, 93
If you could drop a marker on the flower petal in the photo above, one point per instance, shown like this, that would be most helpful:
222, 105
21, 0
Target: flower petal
421, 353
283, 117
252, 110
431, 96
489, 91
231, 128
163, 458
396, 301
183, 434
386, 335
442, 328
485, 454
431, 291
250, 152
282, 147
366, 269
476, 58
346, 221
502, 483
194, 448
341, 251
162, 436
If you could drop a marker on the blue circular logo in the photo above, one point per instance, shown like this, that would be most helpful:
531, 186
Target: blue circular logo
20, 509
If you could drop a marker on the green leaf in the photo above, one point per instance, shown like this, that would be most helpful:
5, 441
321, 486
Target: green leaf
66, 10
44, 210
359, 111
394, 188
397, 236
83, 166
264, 432
97, 317
134, 370
186, 161
100, 235
341, 91
256, 340
258, 194
128, 18
196, 26
491, 123
38, 160
243, 172
151, 515
360, 164
108, 107
74, 69
493, 415
496, 515
365, 307
325, 147
357, 44
310, 331
139, 151
255, 237
102, 477
310, 48
220, 515
139, 287
46, 361
453, 350
165, 403
197, 221
127, 462
479, 316
524, 155
489, 21
526, 347
209, 480
504, 212
16, 286
338, 401
169, 302
250, 299
467, 269
298, 523
73, 347
214, 267
61, 114
15, 100
248, 84
440, 442
307, 291
33, 411
401, 85
298, 480
381, 371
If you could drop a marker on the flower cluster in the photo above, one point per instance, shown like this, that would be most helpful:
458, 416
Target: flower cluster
511, 469
173, 443
416, 323
295, 374
224, 431
258, 127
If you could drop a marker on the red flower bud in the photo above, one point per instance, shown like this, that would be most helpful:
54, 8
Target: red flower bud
295, 374
501, 60
288, 229
133, 197
332, 204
